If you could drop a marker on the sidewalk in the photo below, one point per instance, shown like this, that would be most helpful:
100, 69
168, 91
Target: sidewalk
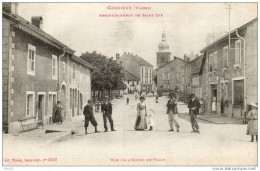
50, 133
218, 119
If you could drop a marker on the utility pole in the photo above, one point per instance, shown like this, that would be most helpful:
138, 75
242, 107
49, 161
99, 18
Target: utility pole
229, 8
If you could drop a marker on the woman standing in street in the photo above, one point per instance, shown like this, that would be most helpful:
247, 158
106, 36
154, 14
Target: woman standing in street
140, 123
252, 122
58, 110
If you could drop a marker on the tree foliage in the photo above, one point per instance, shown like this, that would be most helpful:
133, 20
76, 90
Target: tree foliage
107, 74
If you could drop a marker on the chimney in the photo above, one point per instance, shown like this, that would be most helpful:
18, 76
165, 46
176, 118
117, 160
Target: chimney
37, 21
185, 57
174, 57
10, 7
117, 56
188, 59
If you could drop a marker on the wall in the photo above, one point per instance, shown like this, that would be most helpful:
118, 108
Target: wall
230, 74
6, 77
130, 65
82, 86
251, 62
41, 82
162, 58
173, 67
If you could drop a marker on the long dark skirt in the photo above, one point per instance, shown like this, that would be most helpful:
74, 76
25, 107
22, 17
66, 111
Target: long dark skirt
58, 116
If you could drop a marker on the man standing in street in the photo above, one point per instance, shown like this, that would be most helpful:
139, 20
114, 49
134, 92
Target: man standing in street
194, 106
172, 112
106, 109
89, 116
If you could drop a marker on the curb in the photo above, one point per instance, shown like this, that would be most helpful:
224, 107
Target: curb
218, 123
61, 137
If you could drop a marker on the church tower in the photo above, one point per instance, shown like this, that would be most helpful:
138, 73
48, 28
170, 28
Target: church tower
163, 55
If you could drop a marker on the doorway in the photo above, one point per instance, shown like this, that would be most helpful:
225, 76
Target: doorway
214, 98
63, 99
41, 106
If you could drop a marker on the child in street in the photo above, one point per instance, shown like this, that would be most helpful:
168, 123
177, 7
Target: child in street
149, 119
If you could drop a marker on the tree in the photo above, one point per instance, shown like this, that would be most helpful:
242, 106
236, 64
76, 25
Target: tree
107, 74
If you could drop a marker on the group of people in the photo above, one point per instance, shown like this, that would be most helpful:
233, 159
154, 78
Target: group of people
106, 108
144, 119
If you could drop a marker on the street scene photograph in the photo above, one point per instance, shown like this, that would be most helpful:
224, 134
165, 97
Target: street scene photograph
130, 84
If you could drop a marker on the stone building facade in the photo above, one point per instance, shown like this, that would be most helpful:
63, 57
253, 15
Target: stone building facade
35, 72
171, 75
229, 72
140, 69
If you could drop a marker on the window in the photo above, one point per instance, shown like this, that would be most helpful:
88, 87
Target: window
71, 98
163, 76
225, 57
29, 103
166, 86
31, 60
166, 76
73, 71
63, 69
151, 76
210, 61
215, 60
81, 101
54, 67
51, 102
146, 75
238, 52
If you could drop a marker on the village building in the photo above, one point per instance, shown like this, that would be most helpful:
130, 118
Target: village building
138, 72
169, 73
195, 77
132, 83
229, 71
170, 76
37, 71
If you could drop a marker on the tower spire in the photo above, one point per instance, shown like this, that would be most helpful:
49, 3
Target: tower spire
163, 36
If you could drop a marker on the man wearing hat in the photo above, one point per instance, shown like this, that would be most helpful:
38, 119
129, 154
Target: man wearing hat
89, 116
106, 109
172, 112
194, 106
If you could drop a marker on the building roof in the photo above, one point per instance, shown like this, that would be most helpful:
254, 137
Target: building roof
175, 58
82, 61
138, 59
29, 28
226, 36
196, 64
130, 77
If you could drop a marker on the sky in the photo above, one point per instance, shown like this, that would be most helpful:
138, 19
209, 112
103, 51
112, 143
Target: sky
188, 26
